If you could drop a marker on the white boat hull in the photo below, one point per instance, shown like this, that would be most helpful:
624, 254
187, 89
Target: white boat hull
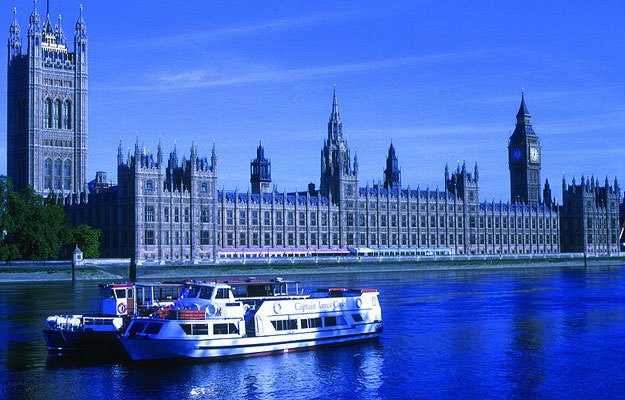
148, 349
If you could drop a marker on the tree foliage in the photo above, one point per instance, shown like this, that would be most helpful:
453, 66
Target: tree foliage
34, 229
88, 240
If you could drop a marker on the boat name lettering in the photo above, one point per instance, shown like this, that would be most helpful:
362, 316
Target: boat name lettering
321, 306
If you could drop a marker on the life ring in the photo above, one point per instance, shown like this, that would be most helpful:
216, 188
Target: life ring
359, 302
210, 310
277, 307
121, 308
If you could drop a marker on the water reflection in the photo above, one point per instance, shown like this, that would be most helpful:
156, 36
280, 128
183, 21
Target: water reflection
447, 334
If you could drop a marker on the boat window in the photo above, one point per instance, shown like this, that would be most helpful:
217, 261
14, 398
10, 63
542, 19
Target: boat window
206, 293
222, 294
220, 329
137, 327
285, 324
130, 293
186, 328
120, 293
311, 323
106, 293
168, 293
357, 317
153, 328
232, 328
330, 321
200, 329
190, 291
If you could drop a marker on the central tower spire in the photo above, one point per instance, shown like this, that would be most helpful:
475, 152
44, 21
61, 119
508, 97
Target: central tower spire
335, 127
338, 174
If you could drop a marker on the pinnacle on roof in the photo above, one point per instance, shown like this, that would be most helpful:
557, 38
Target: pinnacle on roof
81, 26
34, 19
522, 108
47, 26
14, 29
60, 35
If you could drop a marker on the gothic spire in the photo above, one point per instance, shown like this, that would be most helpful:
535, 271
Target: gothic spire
60, 35
523, 116
15, 39
120, 153
335, 127
335, 105
214, 158
48, 31
81, 26
34, 20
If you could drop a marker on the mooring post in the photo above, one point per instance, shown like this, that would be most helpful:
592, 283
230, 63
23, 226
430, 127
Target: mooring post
73, 269
133, 269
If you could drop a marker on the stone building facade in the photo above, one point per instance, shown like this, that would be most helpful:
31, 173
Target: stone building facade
171, 210
590, 217
47, 107
175, 212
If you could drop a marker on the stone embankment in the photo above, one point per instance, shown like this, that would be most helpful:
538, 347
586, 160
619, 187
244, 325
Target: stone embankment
118, 269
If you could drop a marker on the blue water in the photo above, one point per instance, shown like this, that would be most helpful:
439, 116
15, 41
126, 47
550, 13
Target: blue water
549, 333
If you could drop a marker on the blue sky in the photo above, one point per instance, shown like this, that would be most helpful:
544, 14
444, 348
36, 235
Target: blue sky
442, 80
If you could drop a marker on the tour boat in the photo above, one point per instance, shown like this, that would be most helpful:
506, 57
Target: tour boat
209, 321
119, 302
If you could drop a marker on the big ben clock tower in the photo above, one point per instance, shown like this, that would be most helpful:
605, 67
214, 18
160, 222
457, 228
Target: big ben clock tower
524, 160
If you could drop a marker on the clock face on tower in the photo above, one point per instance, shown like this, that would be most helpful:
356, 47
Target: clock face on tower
517, 154
534, 154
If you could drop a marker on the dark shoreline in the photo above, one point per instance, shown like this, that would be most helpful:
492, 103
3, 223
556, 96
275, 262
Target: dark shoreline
118, 270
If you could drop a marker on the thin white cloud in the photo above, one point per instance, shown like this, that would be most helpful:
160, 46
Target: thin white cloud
264, 27
543, 95
210, 77
588, 123
433, 131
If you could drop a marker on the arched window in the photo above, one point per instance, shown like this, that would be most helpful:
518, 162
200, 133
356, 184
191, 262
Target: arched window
59, 114
67, 174
47, 113
47, 174
67, 115
57, 175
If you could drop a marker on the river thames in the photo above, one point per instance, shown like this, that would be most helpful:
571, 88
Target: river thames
540, 333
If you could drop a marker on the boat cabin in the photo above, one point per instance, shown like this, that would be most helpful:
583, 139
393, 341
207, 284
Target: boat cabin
137, 298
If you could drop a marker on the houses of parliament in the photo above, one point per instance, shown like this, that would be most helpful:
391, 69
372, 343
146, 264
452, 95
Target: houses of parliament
166, 207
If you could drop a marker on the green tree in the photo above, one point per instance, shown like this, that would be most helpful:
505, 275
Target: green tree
30, 229
88, 240
8, 250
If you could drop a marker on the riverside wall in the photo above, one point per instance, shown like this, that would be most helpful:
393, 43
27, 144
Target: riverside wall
119, 269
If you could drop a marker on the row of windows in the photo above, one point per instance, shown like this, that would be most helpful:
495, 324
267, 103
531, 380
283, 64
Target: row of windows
441, 221
57, 175
149, 214
384, 239
57, 115
150, 187
203, 329
174, 238
306, 323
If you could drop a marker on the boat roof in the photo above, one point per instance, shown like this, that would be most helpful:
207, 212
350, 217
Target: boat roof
142, 284
245, 282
